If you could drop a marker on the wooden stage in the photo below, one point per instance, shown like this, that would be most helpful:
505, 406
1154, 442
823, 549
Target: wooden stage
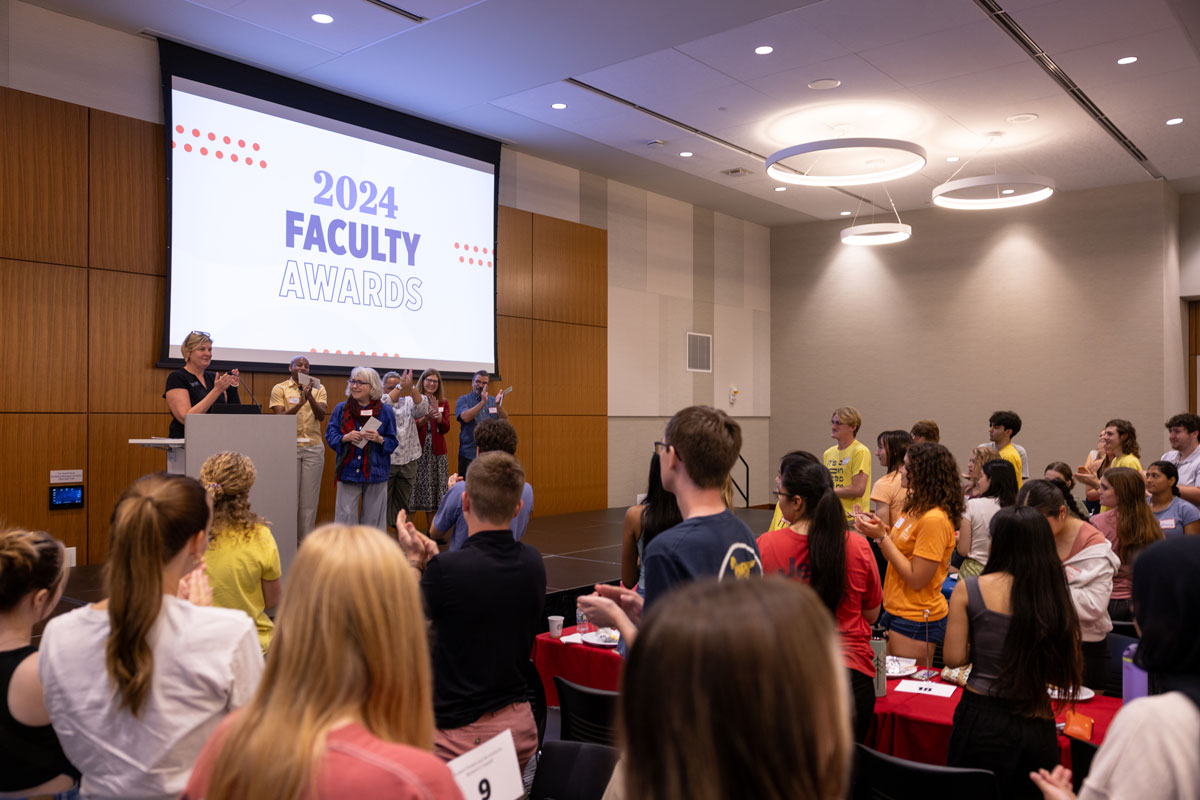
579, 551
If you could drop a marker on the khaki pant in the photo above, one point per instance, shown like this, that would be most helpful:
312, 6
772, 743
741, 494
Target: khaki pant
518, 717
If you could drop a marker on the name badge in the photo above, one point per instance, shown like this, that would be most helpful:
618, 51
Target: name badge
899, 522
293, 400
845, 461
366, 412
1167, 524
491, 409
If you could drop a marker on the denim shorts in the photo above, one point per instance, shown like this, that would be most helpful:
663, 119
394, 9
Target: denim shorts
914, 630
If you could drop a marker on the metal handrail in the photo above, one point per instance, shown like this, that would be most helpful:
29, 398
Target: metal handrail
745, 497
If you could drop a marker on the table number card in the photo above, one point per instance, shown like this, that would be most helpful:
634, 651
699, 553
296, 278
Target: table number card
490, 771
927, 687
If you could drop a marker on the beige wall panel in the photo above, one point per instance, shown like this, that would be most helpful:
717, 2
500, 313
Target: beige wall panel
514, 263
113, 464
43, 327
570, 272
127, 190
569, 369
43, 179
33, 445
571, 454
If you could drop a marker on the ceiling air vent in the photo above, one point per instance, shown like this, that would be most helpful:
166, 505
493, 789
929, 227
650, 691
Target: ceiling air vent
395, 9
699, 349
736, 172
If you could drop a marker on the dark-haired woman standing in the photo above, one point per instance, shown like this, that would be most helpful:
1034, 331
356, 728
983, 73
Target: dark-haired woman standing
997, 489
136, 683
1016, 624
918, 549
816, 548
643, 522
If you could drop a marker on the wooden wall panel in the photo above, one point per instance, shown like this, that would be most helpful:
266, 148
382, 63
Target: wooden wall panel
571, 454
570, 368
514, 264
516, 361
125, 328
35, 444
570, 272
43, 179
523, 423
43, 326
127, 194
113, 464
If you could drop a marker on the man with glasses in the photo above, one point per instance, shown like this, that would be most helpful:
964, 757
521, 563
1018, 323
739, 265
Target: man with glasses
469, 409
849, 462
304, 398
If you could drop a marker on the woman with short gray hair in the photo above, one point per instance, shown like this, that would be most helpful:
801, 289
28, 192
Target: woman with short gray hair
362, 431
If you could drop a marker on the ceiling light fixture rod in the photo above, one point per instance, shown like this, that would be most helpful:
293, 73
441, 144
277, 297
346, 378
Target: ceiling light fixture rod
708, 137
1048, 65
397, 10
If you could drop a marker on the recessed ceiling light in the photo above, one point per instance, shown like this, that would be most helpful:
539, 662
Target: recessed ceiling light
1007, 191
324, 19
781, 188
686, 154
558, 106
764, 50
951, 159
824, 84
1175, 120
1127, 60
845, 214
1018, 119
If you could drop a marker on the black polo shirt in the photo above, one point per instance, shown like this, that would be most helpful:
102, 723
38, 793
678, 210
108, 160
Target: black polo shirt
197, 390
485, 603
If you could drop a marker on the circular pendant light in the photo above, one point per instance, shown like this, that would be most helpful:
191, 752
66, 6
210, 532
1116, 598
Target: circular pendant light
876, 233
904, 158
987, 192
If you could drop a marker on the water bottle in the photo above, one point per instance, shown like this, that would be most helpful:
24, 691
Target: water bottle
879, 646
581, 621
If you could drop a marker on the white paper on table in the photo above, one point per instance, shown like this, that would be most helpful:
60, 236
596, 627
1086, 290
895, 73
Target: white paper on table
573, 638
490, 770
373, 424
927, 687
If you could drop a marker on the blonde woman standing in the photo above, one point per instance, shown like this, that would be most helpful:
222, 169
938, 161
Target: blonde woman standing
134, 684
346, 705
193, 389
242, 558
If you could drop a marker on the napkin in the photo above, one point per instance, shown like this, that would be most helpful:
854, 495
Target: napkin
573, 638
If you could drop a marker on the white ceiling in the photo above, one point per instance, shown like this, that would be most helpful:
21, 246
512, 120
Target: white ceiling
938, 72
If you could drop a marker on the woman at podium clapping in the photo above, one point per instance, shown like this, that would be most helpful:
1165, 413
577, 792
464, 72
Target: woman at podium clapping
194, 389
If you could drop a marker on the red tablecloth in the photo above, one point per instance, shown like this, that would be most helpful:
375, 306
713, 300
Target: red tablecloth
917, 727
594, 667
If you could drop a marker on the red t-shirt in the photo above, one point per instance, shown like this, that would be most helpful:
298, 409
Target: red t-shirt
786, 552
354, 764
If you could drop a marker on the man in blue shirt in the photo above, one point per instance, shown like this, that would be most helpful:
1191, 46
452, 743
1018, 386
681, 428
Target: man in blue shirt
491, 435
471, 408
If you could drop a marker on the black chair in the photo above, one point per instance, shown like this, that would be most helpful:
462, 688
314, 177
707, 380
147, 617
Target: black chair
1125, 628
587, 714
882, 777
573, 771
1082, 754
536, 694
1116, 667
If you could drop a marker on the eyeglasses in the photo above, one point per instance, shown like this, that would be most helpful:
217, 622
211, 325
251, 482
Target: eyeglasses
202, 333
660, 448
356, 382
782, 495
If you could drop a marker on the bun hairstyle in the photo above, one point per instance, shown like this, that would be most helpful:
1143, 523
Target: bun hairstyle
29, 562
1048, 497
228, 477
152, 521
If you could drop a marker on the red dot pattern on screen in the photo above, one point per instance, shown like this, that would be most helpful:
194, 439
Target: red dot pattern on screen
220, 154
471, 249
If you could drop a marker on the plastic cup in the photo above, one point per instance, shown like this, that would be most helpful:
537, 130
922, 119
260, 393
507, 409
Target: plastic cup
556, 626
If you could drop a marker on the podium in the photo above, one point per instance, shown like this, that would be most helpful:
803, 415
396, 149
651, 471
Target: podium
269, 440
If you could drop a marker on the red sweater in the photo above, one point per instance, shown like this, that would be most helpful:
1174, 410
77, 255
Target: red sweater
438, 431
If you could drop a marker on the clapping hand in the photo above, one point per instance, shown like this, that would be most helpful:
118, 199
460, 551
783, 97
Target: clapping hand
194, 587
1055, 785
418, 547
869, 525
630, 601
224, 381
406, 381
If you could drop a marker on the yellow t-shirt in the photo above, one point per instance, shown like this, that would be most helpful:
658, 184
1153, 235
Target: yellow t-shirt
236, 569
1124, 460
777, 520
929, 536
1010, 454
289, 394
843, 465
888, 491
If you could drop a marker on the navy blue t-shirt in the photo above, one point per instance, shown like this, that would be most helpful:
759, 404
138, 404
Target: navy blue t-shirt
701, 547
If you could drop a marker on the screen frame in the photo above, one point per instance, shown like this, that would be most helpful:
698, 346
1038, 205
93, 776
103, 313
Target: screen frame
178, 60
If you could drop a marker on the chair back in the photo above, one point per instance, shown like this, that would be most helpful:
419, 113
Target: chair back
573, 771
536, 694
587, 714
1117, 645
878, 776
1082, 754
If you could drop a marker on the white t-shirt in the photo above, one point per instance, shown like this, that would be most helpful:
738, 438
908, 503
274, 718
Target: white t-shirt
1189, 469
207, 662
980, 511
1149, 752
